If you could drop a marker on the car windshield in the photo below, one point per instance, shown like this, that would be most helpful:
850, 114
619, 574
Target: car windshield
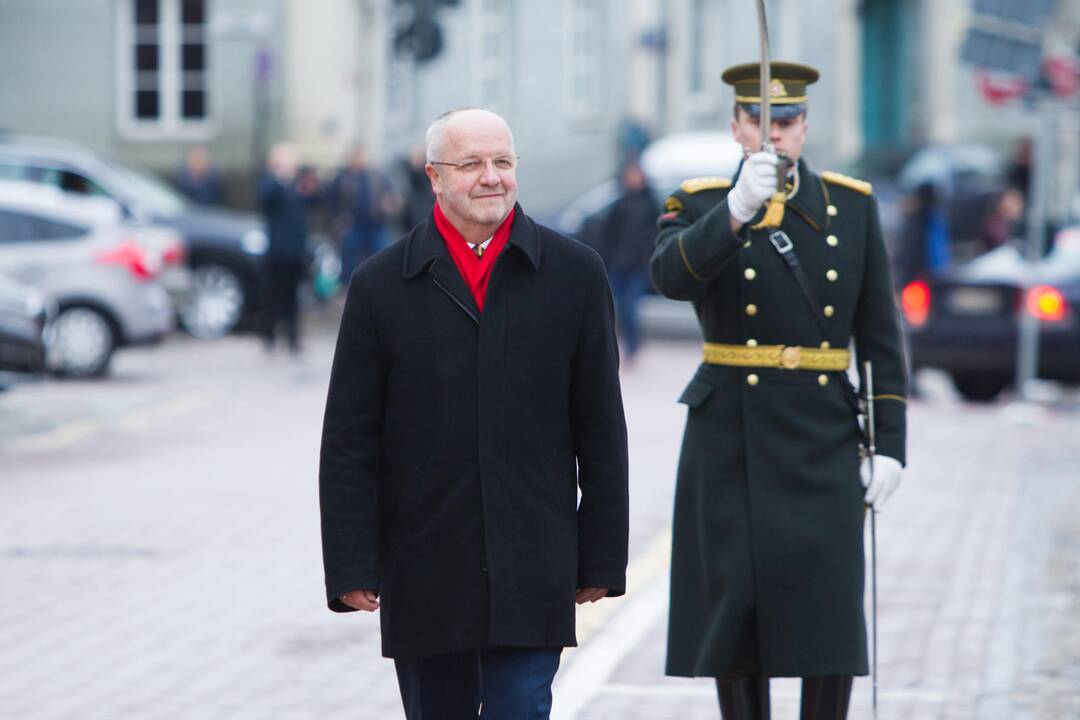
151, 192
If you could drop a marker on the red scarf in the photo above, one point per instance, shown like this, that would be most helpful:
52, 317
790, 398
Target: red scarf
476, 271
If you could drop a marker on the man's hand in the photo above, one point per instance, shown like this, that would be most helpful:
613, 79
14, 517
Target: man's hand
590, 595
756, 184
366, 600
887, 473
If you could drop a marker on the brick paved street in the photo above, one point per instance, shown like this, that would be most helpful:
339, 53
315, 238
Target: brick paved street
159, 555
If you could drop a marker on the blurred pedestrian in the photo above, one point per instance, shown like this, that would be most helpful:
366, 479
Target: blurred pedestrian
1004, 220
924, 246
359, 201
199, 179
419, 198
767, 557
629, 238
284, 206
462, 418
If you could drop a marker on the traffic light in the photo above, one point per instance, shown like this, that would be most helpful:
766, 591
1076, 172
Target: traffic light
420, 35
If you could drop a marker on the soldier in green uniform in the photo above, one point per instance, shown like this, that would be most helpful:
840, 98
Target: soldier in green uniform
767, 569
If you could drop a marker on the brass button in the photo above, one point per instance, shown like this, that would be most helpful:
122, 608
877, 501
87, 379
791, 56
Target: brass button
832, 275
823, 380
825, 345
790, 358
829, 311
831, 210
751, 379
751, 343
751, 309
746, 244
749, 273
832, 240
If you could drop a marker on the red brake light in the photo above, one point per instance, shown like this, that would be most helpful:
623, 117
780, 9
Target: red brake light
173, 254
1046, 303
132, 257
915, 301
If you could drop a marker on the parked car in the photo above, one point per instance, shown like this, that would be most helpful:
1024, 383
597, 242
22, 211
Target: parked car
666, 163
224, 248
101, 274
24, 317
966, 322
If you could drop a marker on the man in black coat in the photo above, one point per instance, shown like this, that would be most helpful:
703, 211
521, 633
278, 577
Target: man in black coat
474, 390
767, 555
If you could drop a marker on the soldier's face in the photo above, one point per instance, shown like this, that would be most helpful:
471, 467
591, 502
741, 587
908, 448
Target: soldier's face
788, 135
482, 188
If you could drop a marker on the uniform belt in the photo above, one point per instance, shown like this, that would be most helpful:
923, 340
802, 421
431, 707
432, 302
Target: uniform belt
785, 357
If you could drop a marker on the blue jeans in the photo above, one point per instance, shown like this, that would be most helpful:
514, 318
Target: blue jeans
627, 287
491, 684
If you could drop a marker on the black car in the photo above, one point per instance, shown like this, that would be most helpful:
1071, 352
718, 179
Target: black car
224, 248
967, 321
23, 318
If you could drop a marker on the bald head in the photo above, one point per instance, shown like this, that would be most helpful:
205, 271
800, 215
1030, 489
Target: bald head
445, 132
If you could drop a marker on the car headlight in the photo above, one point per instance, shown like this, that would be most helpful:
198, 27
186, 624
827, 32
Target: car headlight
255, 242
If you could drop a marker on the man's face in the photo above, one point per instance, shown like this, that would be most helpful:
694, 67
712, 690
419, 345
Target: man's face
483, 188
788, 135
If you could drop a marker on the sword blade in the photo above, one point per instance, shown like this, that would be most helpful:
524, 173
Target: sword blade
766, 79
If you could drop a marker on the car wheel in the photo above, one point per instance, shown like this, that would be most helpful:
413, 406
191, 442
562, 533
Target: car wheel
979, 388
216, 301
82, 344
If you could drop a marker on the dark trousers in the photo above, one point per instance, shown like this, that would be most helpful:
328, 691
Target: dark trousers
282, 282
747, 698
627, 287
491, 684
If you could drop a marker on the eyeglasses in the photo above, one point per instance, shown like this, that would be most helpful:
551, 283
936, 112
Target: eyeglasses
475, 166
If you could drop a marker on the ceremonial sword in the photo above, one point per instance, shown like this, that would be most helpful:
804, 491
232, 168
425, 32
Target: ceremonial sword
774, 215
871, 448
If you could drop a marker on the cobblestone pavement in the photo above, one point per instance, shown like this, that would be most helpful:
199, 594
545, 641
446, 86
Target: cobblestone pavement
159, 555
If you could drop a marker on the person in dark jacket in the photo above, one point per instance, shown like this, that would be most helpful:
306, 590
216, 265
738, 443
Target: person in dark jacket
629, 236
283, 203
474, 391
767, 557
199, 180
359, 200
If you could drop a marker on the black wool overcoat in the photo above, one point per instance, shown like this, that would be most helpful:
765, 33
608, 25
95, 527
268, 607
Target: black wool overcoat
767, 557
455, 442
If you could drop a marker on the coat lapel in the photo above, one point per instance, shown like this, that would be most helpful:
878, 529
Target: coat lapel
426, 254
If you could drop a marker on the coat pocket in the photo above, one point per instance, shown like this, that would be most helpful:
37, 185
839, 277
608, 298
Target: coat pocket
696, 393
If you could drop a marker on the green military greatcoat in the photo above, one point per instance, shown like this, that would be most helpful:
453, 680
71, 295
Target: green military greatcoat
767, 561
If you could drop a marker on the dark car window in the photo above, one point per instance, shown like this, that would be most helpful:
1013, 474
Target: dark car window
21, 227
67, 180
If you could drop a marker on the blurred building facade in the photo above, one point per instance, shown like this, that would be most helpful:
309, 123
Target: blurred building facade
142, 80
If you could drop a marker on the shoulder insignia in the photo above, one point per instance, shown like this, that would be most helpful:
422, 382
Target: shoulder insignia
709, 182
851, 183
673, 204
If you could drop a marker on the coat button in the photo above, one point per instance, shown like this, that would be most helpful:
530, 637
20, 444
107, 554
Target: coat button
751, 379
832, 275
746, 244
829, 311
832, 240
751, 309
823, 380
749, 273
825, 345
831, 210
751, 343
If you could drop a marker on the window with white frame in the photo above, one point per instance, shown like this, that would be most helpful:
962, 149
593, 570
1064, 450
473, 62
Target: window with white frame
163, 68
584, 54
491, 53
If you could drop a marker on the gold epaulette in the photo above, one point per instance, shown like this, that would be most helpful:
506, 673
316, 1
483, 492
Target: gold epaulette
849, 182
709, 182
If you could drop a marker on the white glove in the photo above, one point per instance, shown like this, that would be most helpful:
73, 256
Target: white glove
756, 184
886, 477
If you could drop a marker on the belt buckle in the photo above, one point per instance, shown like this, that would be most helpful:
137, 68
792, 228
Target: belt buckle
790, 357
781, 242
